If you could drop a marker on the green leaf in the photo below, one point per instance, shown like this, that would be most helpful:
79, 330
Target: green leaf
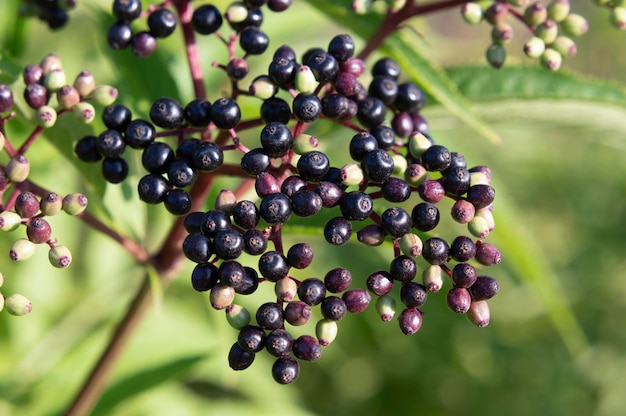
525, 82
143, 381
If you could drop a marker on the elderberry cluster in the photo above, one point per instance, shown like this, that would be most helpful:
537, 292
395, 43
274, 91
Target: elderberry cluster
53, 12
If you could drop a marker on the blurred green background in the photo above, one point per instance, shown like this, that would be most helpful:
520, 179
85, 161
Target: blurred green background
556, 340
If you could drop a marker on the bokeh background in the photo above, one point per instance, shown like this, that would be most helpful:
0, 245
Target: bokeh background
556, 341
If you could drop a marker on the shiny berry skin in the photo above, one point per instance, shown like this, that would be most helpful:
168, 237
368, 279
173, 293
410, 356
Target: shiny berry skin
204, 277
192, 222
377, 165
214, 221
307, 107
379, 283
251, 338
324, 65
139, 134
338, 280
119, 35
152, 188
341, 47
384, 88
198, 112
464, 275
239, 359
285, 370
459, 300
396, 222
410, 98
371, 112
166, 113
273, 266
114, 169
481, 195
436, 158
237, 69
255, 161
425, 216
285, 51
396, 190
225, 113
197, 248
361, 144
275, 208
338, 231
311, 291
246, 214
307, 348
292, 184
143, 44
207, 157
402, 124
462, 211
253, 40
27, 205
162, 23
276, 139
385, 136
356, 206
330, 193
357, 300
35, 95
485, 287
300, 255
346, 83
431, 191
270, 316
250, 282
86, 149
206, 19
180, 173
462, 249
275, 109
413, 295
282, 71
305, 203
110, 144
177, 201
487, 254
254, 18
435, 251
126, 10
279, 343
403, 268
157, 157
313, 166
297, 313
410, 321
255, 242
456, 180
116, 117
38, 230
386, 67
228, 244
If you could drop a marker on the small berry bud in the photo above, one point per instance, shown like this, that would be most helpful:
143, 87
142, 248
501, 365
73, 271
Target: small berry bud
533, 48
221, 296
22, 249
60, 256
84, 112
502, 33
547, 31
84, 84
411, 245
237, 12
55, 80
9, 220
105, 95
35, 95
558, 10
18, 168
237, 69
51, 204
496, 13
38, 230
46, 116
432, 276
74, 204
479, 314
472, 13
305, 81
18, 305
304, 143
237, 316
551, 59
535, 14
68, 96
410, 321
496, 54
49, 63
575, 24
226, 201
386, 307
565, 46
326, 331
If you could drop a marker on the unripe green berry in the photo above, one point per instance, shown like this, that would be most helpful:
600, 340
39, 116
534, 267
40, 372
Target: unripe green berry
547, 31
478, 227
226, 201
221, 296
326, 331
618, 17
74, 204
84, 84
575, 24
304, 143
496, 54
558, 10
399, 164
68, 96
551, 59
502, 33
351, 174
237, 316
305, 81
60, 256
487, 214
55, 80
362, 6
496, 13
418, 143
410, 245
533, 48
84, 112
564, 46
479, 178
386, 307
262, 87
51, 204
18, 305
46, 116
2, 140
18, 168
49, 63
104, 95
1, 283
478, 313
237, 12
415, 174
286, 289
432, 276
472, 13
9, 220
535, 14
1, 302
22, 249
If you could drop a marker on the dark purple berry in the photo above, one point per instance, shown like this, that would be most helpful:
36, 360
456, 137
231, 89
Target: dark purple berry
246, 214
456, 180
110, 144
300, 255
435, 251
228, 244
204, 277
206, 19
275, 208
238, 358
279, 343
225, 113
38, 230
251, 338
410, 98
356, 206
336, 106
485, 287
410, 321
197, 248
180, 173
86, 149
313, 166
297, 313
119, 35
462, 249
379, 283
114, 169
436, 158
250, 282
282, 71
396, 222
285, 370
371, 112
338, 231
323, 65
152, 188
255, 161
311, 291
403, 268
431, 191
361, 144
384, 88
413, 294
463, 275
116, 117
459, 300
273, 266
386, 67
198, 112
481, 195
126, 10
338, 280
487, 254
275, 109
276, 139
27, 205
207, 157
330, 193
292, 184
255, 242
385, 136
402, 124
396, 190
270, 316
307, 348
307, 107
341, 47
157, 157
279, 6
166, 113
305, 203
253, 40
357, 300
143, 44
162, 23
35, 95
139, 134
425, 216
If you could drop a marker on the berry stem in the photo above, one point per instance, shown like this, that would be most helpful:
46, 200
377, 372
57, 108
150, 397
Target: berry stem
30, 140
185, 12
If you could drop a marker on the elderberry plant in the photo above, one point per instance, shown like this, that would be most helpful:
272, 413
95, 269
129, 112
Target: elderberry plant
391, 184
